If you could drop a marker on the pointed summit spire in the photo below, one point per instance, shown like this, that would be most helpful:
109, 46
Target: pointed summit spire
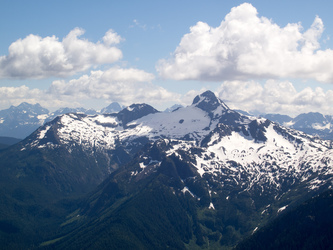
208, 102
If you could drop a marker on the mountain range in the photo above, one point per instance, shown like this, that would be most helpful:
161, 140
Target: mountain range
312, 123
20, 121
201, 176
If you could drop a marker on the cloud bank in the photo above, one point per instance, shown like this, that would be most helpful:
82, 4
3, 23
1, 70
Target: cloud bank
275, 97
126, 86
246, 46
37, 57
129, 86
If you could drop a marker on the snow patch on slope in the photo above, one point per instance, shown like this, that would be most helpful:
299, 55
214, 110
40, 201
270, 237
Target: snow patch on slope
190, 120
43, 132
247, 162
319, 126
282, 208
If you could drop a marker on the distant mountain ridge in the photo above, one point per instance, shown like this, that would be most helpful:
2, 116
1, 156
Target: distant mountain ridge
20, 121
312, 123
7, 141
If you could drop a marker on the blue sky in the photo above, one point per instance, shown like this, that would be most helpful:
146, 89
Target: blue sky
269, 56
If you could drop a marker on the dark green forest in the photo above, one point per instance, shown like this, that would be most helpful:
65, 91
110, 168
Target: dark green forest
308, 226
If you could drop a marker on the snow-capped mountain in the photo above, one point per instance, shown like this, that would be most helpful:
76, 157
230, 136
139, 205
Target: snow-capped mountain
311, 123
250, 152
202, 173
114, 107
224, 173
22, 120
138, 121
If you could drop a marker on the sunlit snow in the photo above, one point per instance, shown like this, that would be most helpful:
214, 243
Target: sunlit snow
43, 132
233, 155
282, 208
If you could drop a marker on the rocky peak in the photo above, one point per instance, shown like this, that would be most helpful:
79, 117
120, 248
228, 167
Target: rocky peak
134, 112
306, 120
114, 107
208, 102
29, 108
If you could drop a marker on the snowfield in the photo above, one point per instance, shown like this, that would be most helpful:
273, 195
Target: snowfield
245, 150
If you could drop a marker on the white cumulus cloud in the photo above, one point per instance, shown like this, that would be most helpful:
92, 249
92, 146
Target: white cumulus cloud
112, 37
16, 95
275, 97
247, 46
117, 84
37, 57
126, 86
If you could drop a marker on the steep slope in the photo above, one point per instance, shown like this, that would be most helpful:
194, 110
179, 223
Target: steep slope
308, 226
22, 120
175, 188
226, 174
131, 128
202, 175
74, 152
135, 210
114, 107
42, 177
262, 150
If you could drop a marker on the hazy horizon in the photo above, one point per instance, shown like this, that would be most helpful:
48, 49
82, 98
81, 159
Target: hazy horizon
269, 57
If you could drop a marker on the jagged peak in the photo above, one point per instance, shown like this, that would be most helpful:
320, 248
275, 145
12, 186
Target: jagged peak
135, 111
208, 102
114, 107
138, 106
27, 107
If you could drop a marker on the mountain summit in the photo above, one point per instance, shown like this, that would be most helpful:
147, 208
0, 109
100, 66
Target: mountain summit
254, 152
206, 177
208, 102
114, 107
201, 175
134, 112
